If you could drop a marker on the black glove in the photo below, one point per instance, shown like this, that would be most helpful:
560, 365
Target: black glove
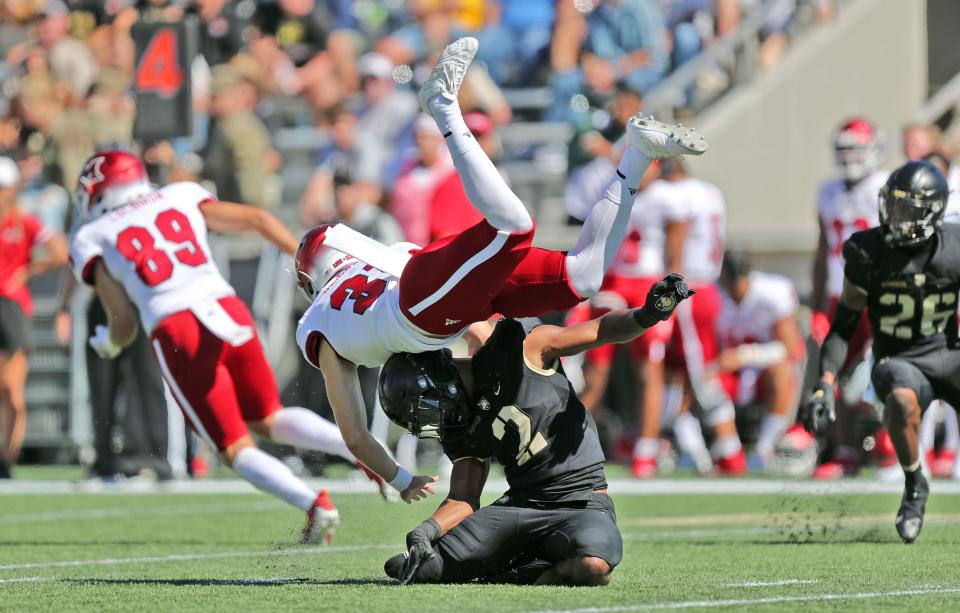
819, 411
420, 542
662, 300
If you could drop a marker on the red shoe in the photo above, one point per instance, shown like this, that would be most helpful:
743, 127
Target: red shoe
322, 520
388, 493
883, 450
942, 464
732, 465
643, 467
836, 469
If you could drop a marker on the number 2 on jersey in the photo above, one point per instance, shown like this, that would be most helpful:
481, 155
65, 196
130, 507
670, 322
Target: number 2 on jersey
531, 443
154, 265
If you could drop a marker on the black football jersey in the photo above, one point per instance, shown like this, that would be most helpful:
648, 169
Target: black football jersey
531, 421
912, 291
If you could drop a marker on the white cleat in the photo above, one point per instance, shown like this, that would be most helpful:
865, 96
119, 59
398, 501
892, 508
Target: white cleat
448, 74
657, 140
322, 521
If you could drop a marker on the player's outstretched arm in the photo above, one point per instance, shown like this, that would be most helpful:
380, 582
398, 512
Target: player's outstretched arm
819, 412
466, 484
229, 217
547, 343
122, 320
343, 391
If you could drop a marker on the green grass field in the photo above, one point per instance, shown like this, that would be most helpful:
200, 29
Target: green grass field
126, 552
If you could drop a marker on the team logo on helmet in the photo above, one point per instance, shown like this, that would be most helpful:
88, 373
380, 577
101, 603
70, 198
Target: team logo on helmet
92, 172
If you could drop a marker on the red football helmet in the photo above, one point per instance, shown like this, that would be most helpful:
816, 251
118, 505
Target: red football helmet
857, 147
317, 263
110, 179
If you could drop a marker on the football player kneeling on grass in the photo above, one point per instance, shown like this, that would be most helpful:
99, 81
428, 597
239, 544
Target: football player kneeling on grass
556, 524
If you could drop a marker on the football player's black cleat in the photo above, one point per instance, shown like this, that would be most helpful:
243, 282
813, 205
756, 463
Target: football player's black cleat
912, 203
910, 517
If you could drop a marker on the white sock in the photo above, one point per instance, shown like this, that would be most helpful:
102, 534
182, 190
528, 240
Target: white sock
271, 475
482, 182
726, 446
951, 434
605, 226
646, 447
771, 429
689, 435
928, 428
303, 428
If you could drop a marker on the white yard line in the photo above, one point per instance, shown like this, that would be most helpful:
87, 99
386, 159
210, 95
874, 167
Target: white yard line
135, 512
655, 487
189, 557
23, 579
740, 602
774, 583
850, 523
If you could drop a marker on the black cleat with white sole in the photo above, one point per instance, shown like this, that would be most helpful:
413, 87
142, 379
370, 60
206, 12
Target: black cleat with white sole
916, 490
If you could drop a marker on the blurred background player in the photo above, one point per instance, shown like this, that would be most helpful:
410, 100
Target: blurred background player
697, 209
762, 354
846, 204
639, 263
20, 233
150, 247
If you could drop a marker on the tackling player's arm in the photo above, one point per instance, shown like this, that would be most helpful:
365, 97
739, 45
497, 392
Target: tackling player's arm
466, 485
122, 324
231, 217
346, 400
545, 344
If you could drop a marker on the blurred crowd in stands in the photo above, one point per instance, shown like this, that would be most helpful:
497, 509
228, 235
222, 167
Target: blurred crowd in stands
346, 73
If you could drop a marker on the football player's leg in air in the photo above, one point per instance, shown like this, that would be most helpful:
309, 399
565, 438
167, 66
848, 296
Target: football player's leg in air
492, 267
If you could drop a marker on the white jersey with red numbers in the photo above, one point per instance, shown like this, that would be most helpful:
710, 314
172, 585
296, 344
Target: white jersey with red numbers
156, 248
770, 299
701, 205
641, 253
358, 313
843, 212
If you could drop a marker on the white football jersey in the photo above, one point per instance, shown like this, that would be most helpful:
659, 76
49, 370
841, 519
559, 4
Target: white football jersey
701, 204
952, 214
156, 247
769, 299
358, 313
843, 212
641, 252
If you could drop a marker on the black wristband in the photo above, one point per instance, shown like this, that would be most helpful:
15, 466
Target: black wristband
644, 319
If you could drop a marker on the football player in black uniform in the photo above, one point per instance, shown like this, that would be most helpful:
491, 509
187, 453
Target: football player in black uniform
556, 524
907, 273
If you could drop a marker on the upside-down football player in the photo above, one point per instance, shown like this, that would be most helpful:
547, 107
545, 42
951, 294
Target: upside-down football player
371, 301
907, 273
511, 400
149, 246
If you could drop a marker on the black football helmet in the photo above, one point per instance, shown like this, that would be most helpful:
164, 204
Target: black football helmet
423, 393
912, 203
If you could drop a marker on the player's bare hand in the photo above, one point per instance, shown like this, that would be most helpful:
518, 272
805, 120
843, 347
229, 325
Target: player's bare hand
63, 325
419, 488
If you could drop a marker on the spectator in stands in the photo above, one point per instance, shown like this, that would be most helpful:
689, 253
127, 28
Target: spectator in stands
303, 42
342, 156
619, 41
71, 61
952, 173
450, 209
762, 348
225, 28
385, 111
919, 140
515, 38
240, 159
19, 234
40, 198
419, 177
